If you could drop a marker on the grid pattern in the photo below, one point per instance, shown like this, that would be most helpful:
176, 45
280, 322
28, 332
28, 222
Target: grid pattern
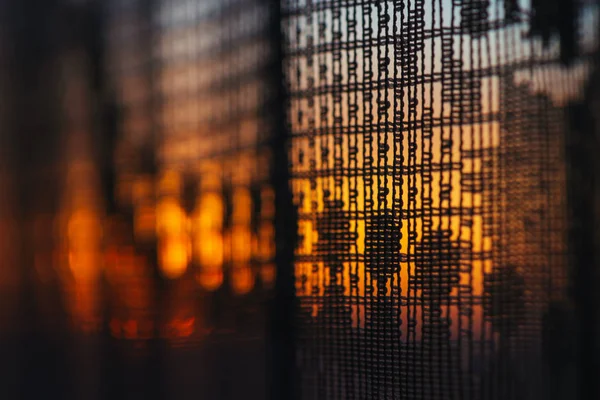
429, 176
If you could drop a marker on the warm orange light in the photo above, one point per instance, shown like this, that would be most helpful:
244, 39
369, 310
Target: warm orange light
208, 240
179, 328
266, 243
209, 249
242, 280
170, 218
131, 329
317, 274
241, 242
82, 255
210, 280
174, 256
172, 229
268, 275
170, 183
242, 206
209, 213
84, 232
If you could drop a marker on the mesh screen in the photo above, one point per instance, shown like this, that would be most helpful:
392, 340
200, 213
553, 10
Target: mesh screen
429, 174
312, 199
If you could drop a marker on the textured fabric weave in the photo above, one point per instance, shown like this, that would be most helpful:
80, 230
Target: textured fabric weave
428, 159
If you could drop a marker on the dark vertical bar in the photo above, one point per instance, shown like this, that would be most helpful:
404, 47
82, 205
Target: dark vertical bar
35, 36
9, 283
155, 368
583, 148
283, 305
582, 144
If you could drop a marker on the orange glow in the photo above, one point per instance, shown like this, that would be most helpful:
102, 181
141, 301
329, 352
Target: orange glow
210, 280
241, 240
316, 274
210, 211
169, 183
208, 240
174, 256
242, 277
172, 228
268, 274
131, 329
170, 218
242, 206
242, 280
210, 251
81, 233
84, 233
266, 243
179, 328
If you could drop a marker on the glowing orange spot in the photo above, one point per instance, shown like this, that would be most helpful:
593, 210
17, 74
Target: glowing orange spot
209, 248
210, 280
242, 206
170, 218
242, 280
266, 247
209, 213
179, 328
209, 243
83, 233
174, 256
241, 242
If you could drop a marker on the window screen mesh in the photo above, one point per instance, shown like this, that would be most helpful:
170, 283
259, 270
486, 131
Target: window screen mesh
299, 199
429, 173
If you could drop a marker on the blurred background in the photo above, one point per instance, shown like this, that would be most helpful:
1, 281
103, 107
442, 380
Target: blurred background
137, 235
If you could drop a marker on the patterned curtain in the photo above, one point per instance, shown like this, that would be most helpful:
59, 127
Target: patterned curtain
429, 168
299, 199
